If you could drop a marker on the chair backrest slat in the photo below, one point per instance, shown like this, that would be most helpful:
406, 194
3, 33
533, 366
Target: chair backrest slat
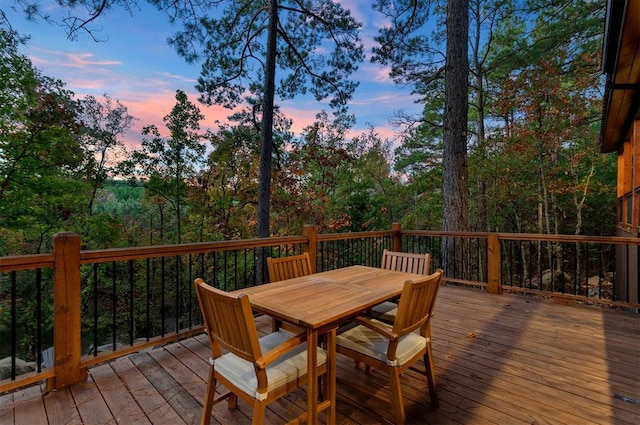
289, 267
416, 303
406, 262
229, 321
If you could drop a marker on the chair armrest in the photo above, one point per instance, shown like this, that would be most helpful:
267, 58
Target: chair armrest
376, 327
279, 350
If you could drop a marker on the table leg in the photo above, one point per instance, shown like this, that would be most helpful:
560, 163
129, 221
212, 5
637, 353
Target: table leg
312, 376
330, 385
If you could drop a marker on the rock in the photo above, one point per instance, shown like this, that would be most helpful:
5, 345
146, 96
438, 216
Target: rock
555, 281
21, 367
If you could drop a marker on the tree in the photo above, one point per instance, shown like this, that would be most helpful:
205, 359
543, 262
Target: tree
454, 160
553, 134
370, 192
251, 41
545, 72
401, 45
228, 184
165, 163
40, 155
103, 122
310, 175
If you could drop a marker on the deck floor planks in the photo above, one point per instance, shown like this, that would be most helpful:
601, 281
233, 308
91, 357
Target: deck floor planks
29, 407
175, 360
172, 391
7, 408
378, 381
499, 360
155, 407
588, 387
539, 345
488, 351
92, 407
532, 399
122, 404
61, 408
544, 389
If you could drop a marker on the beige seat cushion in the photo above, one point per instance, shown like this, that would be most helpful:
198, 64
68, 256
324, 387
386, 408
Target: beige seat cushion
370, 343
287, 368
385, 312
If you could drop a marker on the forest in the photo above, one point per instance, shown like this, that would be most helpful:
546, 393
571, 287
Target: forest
531, 153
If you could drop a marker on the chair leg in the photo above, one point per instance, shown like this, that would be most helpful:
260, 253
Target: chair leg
428, 353
232, 402
259, 408
396, 395
275, 325
205, 419
431, 377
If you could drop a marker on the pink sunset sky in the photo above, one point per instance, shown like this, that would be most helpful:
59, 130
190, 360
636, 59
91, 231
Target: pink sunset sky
135, 65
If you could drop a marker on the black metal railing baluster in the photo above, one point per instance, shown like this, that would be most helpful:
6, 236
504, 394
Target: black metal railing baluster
189, 294
114, 308
38, 320
224, 270
177, 309
148, 301
530, 261
235, 269
95, 309
576, 263
601, 271
586, 274
162, 296
14, 324
131, 325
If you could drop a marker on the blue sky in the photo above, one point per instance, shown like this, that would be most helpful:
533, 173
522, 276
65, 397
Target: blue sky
135, 65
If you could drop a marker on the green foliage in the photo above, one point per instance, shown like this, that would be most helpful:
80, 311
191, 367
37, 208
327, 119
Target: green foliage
166, 163
222, 195
41, 155
104, 121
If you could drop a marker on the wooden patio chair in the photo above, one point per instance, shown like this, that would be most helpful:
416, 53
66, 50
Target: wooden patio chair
289, 267
395, 348
258, 370
402, 262
406, 262
283, 268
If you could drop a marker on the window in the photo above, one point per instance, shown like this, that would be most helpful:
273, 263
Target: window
620, 211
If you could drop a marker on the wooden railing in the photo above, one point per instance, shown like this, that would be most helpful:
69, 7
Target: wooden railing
90, 288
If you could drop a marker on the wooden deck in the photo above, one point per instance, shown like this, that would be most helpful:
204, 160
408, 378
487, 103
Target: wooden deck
500, 359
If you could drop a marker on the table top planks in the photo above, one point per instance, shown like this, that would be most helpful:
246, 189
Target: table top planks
323, 298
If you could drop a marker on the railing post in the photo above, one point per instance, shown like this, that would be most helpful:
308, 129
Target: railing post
493, 264
396, 243
66, 328
311, 233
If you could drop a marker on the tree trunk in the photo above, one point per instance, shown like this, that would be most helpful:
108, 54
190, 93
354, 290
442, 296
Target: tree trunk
264, 185
454, 186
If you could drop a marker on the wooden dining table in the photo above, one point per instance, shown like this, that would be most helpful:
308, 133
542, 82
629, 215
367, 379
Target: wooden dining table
320, 302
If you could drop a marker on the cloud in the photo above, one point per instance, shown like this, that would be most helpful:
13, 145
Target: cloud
177, 77
56, 58
376, 73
